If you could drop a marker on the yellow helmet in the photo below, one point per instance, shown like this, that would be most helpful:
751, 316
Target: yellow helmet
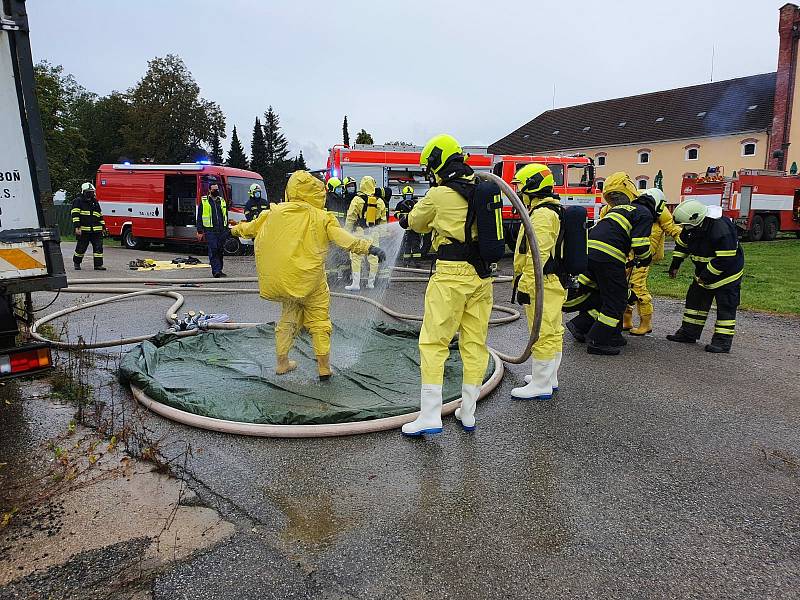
620, 182
533, 178
333, 183
408, 190
438, 151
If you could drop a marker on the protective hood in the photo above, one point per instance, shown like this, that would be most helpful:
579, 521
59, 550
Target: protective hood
620, 182
304, 187
367, 185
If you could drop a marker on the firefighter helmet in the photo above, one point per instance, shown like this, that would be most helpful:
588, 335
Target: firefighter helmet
533, 178
438, 151
253, 189
690, 213
660, 199
87, 187
333, 183
620, 182
408, 190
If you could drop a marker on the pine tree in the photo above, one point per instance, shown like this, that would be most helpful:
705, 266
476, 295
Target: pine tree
236, 156
258, 152
364, 138
215, 156
345, 133
300, 163
278, 163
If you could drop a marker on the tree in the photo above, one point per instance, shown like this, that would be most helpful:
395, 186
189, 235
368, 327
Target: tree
169, 120
236, 156
300, 163
345, 133
216, 149
60, 100
364, 138
258, 151
277, 152
101, 121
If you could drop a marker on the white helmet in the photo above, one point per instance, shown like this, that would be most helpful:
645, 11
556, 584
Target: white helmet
660, 198
87, 187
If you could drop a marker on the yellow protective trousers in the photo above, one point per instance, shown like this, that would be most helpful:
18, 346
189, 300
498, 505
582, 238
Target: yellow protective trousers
639, 287
371, 234
551, 334
311, 312
456, 300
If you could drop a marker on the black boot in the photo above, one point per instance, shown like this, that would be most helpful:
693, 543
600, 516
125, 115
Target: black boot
100, 268
593, 348
579, 335
720, 344
617, 340
680, 336
77, 265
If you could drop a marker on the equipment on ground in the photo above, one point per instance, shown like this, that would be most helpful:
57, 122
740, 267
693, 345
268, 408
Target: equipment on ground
30, 255
760, 202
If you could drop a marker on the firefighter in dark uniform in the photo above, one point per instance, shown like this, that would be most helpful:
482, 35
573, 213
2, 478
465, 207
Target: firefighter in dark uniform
412, 241
87, 218
256, 203
713, 246
212, 221
604, 292
338, 260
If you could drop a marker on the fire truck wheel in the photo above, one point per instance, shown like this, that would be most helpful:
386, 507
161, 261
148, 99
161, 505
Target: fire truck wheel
771, 228
756, 229
232, 246
131, 242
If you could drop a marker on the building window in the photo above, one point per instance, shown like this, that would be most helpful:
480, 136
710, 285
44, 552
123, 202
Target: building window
599, 184
641, 182
749, 147
692, 152
601, 161
644, 157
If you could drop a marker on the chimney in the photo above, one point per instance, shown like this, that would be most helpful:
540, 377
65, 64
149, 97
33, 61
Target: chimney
789, 33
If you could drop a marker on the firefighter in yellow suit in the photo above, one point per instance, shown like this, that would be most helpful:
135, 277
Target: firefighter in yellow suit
457, 300
535, 185
365, 217
663, 226
291, 242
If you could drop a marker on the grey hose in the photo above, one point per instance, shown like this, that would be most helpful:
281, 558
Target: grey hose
533, 247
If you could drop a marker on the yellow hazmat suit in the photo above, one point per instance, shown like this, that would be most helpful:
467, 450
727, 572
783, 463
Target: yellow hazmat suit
546, 225
291, 242
456, 300
365, 216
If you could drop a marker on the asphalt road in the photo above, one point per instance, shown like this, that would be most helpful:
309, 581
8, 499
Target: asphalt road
665, 472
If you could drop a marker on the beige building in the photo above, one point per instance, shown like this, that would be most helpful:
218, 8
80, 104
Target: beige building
746, 122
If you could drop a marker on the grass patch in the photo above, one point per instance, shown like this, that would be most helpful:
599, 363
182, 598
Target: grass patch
771, 277
110, 242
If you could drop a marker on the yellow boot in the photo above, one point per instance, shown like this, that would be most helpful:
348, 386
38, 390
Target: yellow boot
627, 319
284, 365
324, 367
646, 324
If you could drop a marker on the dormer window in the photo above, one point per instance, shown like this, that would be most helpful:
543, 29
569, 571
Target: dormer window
585, 129
622, 124
556, 132
701, 114
752, 107
659, 119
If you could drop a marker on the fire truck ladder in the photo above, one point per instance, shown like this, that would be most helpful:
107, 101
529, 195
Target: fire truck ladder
726, 195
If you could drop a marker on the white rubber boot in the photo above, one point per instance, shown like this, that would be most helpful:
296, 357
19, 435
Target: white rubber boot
356, 285
371, 282
539, 387
466, 412
430, 412
554, 377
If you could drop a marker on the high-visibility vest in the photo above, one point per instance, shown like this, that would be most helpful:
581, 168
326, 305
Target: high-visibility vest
208, 221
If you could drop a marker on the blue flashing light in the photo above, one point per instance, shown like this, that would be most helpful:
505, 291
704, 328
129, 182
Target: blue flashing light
127, 162
204, 161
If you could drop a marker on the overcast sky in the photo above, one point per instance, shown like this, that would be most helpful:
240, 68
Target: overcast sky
406, 69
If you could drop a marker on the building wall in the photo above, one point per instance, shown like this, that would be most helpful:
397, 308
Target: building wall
793, 152
670, 158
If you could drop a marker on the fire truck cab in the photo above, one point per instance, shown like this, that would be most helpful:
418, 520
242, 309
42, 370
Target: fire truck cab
398, 166
144, 203
760, 202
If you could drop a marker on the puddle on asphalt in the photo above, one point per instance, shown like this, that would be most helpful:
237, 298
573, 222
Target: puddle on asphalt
311, 520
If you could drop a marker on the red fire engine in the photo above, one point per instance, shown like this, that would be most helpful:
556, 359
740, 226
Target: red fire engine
760, 202
147, 203
398, 166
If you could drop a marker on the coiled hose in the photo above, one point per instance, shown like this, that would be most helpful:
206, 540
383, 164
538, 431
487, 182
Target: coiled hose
176, 292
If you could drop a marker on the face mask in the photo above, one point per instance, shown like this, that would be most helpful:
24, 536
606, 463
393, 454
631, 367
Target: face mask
257, 194
215, 193
408, 197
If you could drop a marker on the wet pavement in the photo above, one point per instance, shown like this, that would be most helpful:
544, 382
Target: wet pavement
665, 472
